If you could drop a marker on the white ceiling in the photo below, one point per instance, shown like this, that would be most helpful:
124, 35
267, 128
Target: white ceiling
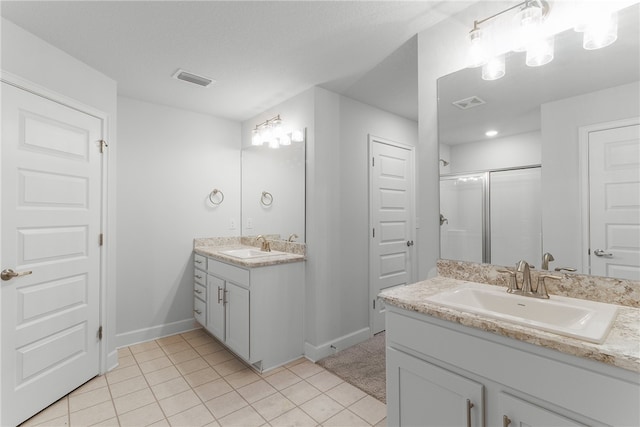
259, 52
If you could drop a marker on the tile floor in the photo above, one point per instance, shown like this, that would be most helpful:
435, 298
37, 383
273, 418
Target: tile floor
191, 380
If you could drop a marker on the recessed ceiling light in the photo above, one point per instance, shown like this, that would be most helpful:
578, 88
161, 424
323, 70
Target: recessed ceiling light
491, 133
193, 78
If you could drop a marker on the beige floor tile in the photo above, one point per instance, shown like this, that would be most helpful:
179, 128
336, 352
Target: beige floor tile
229, 367
201, 340
161, 423
345, 418
370, 409
208, 348
321, 408
184, 355
202, 376
56, 422
298, 361
171, 339
212, 389
242, 378
218, 357
176, 347
213, 424
134, 400
111, 422
272, 371
125, 361
146, 356
162, 375
300, 392
93, 415
295, 417
324, 381
179, 402
245, 417
124, 351
306, 369
128, 386
194, 417
53, 411
192, 365
142, 416
283, 379
155, 364
90, 398
345, 394
273, 406
256, 391
143, 346
226, 404
92, 384
170, 388
193, 333
382, 423
123, 374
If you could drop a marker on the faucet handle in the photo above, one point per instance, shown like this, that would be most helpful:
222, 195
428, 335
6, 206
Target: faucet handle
570, 270
541, 289
513, 284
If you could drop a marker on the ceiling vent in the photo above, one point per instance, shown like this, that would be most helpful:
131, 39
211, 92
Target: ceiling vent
465, 104
193, 78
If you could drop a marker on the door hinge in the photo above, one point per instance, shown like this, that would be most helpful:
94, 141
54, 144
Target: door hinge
101, 239
374, 233
103, 145
373, 161
374, 304
100, 333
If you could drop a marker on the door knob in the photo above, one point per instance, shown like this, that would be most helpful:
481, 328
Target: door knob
601, 253
8, 274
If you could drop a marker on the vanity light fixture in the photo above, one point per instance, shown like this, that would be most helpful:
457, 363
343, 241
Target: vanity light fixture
529, 34
491, 133
273, 133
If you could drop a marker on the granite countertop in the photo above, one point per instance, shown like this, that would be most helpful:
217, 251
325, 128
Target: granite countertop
621, 348
215, 253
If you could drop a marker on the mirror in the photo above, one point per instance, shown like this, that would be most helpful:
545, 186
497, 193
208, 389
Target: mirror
273, 191
520, 193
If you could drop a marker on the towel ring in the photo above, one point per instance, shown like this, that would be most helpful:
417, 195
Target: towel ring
266, 199
213, 193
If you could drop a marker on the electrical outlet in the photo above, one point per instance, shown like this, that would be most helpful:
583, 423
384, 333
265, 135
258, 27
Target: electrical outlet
232, 224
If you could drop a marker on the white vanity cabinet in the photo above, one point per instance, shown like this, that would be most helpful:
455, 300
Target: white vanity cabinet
256, 311
442, 373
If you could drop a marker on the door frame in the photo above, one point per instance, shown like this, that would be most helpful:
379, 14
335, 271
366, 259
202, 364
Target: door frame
372, 139
105, 266
583, 171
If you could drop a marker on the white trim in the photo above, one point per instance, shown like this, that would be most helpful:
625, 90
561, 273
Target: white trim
583, 173
372, 139
315, 353
105, 359
155, 332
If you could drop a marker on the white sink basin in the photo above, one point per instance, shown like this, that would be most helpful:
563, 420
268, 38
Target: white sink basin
247, 253
585, 320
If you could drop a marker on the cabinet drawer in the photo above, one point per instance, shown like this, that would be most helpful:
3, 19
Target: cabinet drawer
200, 261
200, 311
234, 274
200, 291
199, 276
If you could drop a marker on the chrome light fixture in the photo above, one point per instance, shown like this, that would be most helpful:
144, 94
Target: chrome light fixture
274, 134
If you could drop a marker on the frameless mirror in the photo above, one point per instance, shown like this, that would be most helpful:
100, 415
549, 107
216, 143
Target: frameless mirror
521, 193
273, 191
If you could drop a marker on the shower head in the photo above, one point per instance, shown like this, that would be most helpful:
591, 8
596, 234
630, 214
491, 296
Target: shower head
444, 162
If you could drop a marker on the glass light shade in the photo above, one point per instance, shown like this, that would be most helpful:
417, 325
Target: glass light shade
297, 136
277, 127
285, 139
256, 139
273, 143
477, 49
266, 135
528, 22
601, 32
540, 52
494, 68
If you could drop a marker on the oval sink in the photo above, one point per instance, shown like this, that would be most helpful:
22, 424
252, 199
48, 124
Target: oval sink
582, 319
247, 253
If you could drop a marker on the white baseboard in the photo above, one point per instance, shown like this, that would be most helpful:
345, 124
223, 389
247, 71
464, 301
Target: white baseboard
315, 353
155, 332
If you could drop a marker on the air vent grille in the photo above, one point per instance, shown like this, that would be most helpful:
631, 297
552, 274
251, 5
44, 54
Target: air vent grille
193, 78
472, 101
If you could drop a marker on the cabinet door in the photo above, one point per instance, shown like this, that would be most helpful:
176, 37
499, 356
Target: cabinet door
520, 413
423, 394
215, 307
237, 319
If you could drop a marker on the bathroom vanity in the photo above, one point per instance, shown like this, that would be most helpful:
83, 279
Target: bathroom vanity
251, 301
448, 366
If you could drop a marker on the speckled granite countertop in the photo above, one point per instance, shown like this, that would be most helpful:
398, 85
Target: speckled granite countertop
215, 253
621, 348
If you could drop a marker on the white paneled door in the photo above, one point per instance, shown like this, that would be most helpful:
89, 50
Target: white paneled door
50, 226
391, 199
614, 202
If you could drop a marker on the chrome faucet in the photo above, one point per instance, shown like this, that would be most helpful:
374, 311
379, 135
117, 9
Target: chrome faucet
523, 267
292, 237
265, 247
546, 258
526, 288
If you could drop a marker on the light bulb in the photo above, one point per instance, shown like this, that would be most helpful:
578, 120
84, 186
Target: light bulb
540, 52
255, 137
528, 22
273, 143
494, 68
277, 127
285, 139
267, 135
601, 32
297, 135
477, 48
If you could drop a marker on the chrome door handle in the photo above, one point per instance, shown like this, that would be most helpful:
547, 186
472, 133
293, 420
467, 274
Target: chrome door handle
469, 406
505, 421
219, 297
409, 242
8, 274
601, 253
